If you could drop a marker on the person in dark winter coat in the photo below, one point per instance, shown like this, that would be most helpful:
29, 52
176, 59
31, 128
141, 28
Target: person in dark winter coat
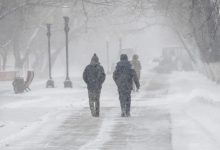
94, 76
123, 77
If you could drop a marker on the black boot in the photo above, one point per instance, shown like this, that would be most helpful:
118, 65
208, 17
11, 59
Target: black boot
123, 114
96, 114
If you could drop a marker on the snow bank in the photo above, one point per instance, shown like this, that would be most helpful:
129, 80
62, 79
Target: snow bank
195, 111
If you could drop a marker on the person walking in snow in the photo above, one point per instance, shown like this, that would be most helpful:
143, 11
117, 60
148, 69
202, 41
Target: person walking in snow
136, 65
123, 77
94, 76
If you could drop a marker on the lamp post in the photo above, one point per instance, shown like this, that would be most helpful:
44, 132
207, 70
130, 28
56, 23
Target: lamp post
120, 45
67, 82
50, 82
107, 55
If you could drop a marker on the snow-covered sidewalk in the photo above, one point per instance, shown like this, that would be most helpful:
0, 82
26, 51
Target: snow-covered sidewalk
171, 112
60, 119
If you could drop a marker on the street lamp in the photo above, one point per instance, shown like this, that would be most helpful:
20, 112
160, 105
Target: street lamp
67, 82
120, 44
120, 41
50, 82
107, 54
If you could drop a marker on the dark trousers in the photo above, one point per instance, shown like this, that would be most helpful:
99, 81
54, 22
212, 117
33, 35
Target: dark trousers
125, 101
94, 102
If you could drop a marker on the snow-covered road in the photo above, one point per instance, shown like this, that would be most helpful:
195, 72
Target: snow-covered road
165, 116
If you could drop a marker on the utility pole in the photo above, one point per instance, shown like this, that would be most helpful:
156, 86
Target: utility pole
107, 56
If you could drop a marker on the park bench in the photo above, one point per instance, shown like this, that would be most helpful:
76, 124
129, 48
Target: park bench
20, 85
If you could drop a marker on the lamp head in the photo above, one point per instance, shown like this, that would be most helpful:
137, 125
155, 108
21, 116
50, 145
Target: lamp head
66, 19
48, 25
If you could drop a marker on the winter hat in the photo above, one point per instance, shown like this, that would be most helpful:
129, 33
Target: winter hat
95, 59
123, 57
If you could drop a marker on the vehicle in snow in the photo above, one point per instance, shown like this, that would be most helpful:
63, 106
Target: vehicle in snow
173, 58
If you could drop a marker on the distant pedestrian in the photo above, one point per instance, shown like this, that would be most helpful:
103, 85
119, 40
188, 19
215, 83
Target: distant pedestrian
136, 65
94, 76
123, 77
